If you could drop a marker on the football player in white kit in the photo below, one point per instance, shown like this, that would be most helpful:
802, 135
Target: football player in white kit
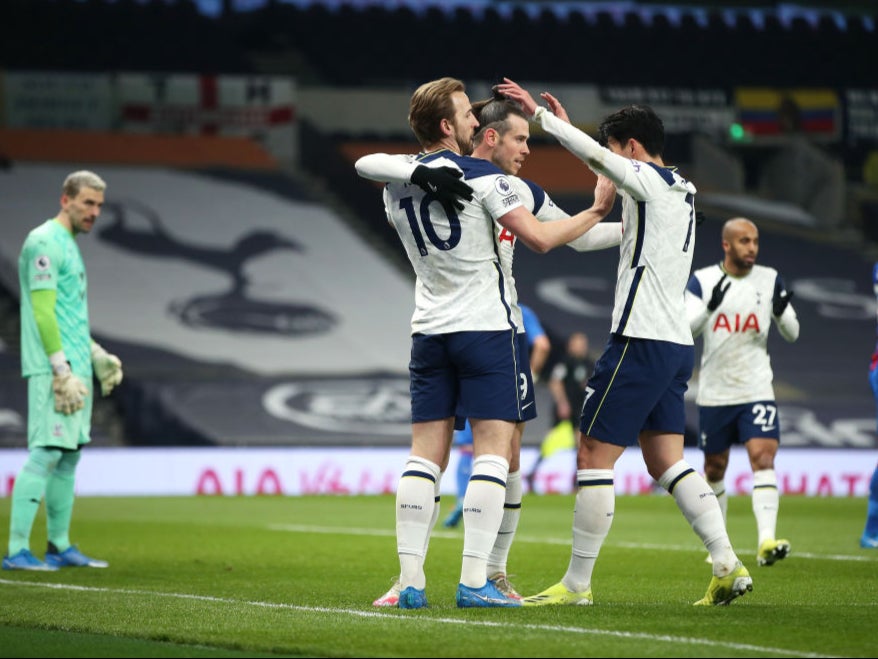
502, 139
635, 394
468, 359
732, 305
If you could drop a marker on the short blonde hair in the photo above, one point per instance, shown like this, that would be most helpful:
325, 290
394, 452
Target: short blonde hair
82, 179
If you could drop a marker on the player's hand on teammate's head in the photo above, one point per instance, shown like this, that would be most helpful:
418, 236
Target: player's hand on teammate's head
719, 292
516, 92
444, 183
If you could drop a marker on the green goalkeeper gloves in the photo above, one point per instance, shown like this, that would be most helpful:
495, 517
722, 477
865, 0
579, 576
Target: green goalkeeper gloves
69, 390
107, 368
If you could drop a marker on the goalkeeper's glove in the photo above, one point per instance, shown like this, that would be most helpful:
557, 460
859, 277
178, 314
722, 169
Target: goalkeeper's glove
719, 292
70, 391
107, 368
444, 184
780, 300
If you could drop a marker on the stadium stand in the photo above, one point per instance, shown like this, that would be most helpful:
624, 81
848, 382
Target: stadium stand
208, 361
700, 41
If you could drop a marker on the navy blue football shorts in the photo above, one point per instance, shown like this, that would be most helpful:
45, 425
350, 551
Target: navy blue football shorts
476, 375
637, 385
724, 425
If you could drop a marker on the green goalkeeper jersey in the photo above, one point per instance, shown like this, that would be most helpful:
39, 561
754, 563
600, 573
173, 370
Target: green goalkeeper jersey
50, 259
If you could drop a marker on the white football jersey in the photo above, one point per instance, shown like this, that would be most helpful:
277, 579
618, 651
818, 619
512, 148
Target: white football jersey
539, 203
658, 237
735, 366
461, 281
397, 169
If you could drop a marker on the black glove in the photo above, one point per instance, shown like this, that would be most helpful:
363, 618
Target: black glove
444, 184
780, 301
719, 292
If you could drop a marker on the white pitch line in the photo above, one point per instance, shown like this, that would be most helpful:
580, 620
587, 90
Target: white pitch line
422, 619
332, 530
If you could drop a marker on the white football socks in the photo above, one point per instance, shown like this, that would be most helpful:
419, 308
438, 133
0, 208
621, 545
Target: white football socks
508, 525
415, 515
592, 519
766, 503
697, 501
482, 514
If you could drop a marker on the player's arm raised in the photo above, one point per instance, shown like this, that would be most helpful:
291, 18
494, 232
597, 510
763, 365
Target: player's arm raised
543, 236
600, 159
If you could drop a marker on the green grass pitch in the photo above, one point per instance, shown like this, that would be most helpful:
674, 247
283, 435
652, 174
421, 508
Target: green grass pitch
295, 577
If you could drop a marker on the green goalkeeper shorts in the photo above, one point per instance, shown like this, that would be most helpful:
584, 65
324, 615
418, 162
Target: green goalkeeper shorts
45, 426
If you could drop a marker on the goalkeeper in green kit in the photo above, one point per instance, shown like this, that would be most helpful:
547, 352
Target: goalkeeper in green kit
59, 360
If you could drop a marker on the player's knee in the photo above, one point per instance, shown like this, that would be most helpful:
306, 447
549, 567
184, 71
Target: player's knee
43, 460
715, 469
762, 462
762, 454
68, 461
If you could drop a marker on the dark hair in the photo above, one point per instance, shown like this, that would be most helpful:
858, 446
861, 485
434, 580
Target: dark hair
639, 122
494, 113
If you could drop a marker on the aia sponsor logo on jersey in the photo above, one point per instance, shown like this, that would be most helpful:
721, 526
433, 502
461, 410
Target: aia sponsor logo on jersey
506, 235
736, 323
